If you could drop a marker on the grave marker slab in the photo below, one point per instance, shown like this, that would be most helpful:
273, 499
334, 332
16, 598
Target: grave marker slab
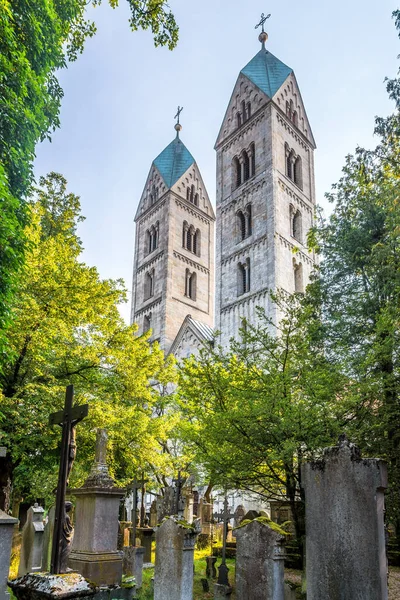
7, 524
32, 542
345, 536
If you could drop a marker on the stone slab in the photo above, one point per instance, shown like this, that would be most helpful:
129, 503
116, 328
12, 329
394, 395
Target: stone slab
7, 524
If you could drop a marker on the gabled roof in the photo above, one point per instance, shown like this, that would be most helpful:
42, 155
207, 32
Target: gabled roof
266, 72
204, 333
173, 161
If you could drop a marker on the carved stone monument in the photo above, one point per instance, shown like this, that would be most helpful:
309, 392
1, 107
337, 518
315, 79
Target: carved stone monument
345, 536
94, 551
32, 542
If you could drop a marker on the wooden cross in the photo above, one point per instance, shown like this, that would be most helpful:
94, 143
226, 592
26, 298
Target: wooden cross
180, 109
262, 21
67, 419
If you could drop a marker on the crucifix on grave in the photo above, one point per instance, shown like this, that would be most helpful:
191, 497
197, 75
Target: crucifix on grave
224, 516
178, 494
62, 535
134, 487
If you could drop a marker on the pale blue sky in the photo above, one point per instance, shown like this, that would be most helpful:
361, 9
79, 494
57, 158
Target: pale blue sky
121, 96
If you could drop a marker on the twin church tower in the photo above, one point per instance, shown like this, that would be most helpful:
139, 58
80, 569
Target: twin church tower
182, 289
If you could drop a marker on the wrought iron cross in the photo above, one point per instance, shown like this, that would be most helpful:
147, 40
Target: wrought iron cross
67, 419
262, 21
223, 569
180, 109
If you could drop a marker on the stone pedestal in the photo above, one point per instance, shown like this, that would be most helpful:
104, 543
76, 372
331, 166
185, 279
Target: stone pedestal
146, 535
173, 575
222, 591
211, 571
133, 563
6, 534
345, 537
94, 551
32, 542
259, 562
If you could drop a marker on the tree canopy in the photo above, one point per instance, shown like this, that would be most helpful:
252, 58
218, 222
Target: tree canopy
36, 39
67, 329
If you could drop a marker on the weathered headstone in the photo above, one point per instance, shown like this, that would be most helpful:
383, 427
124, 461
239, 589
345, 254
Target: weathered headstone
166, 504
173, 575
7, 524
133, 563
94, 551
239, 514
146, 535
188, 510
48, 539
32, 542
259, 562
345, 536
153, 514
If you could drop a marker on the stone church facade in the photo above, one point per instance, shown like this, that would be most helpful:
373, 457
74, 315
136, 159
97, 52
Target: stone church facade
265, 205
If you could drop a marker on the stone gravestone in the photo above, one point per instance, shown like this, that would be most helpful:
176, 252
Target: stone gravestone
260, 562
153, 514
166, 504
173, 575
94, 551
32, 542
6, 534
239, 514
47, 540
188, 510
345, 536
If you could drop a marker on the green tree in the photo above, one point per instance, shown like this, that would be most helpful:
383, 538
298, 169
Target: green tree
67, 329
253, 413
36, 39
358, 291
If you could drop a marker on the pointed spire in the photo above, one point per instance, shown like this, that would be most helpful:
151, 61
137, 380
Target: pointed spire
263, 35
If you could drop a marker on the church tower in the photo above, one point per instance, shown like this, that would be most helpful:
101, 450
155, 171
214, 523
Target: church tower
265, 193
173, 273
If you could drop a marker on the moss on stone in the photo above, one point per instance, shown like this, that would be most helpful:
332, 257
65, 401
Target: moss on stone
265, 521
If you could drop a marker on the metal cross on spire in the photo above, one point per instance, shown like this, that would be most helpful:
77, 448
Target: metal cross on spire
262, 21
180, 109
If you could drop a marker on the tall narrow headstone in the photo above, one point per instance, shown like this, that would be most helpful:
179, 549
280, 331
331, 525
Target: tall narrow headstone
94, 551
6, 534
173, 575
259, 562
48, 539
32, 542
345, 537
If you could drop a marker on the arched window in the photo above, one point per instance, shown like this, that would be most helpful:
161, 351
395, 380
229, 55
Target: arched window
238, 119
289, 170
184, 233
149, 285
295, 119
249, 225
287, 109
246, 166
241, 225
298, 172
237, 172
297, 226
252, 160
196, 242
192, 194
188, 193
244, 111
146, 322
244, 277
196, 199
190, 285
248, 110
148, 242
298, 277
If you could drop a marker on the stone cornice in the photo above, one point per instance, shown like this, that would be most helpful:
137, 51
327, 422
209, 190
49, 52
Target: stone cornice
150, 262
152, 210
192, 209
242, 131
191, 262
291, 246
243, 192
305, 203
245, 249
296, 135
245, 299
148, 306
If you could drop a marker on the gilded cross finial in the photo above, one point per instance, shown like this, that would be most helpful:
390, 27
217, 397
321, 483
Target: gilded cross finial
178, 126
262, 21
263, 35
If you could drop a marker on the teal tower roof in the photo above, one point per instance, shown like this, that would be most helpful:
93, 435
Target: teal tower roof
173, 161
266, 72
